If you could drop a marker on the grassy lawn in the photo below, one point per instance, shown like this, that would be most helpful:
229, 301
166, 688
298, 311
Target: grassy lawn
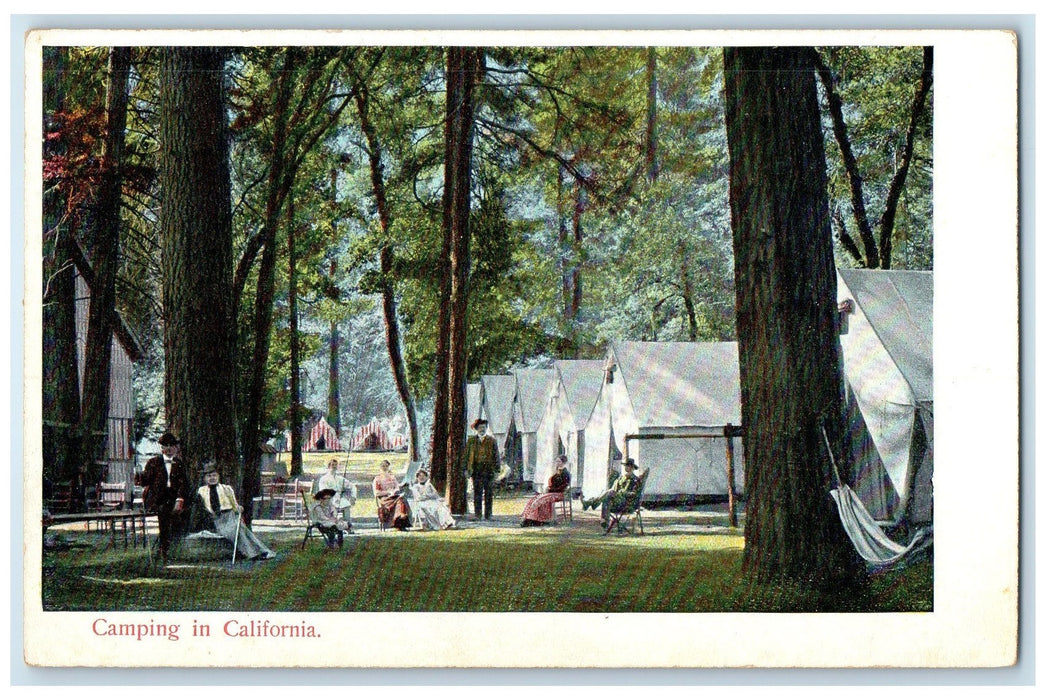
682, 564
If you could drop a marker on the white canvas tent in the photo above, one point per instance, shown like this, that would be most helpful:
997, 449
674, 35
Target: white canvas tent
887, 345
575, 387
667, 389
497, 406
473, 400
532, 390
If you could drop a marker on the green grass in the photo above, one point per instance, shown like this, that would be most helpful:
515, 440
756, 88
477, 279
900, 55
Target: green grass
572, 568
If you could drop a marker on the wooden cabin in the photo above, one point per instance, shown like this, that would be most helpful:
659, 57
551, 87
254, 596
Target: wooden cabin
119, 455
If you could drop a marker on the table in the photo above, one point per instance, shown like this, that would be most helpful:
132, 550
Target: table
109, 518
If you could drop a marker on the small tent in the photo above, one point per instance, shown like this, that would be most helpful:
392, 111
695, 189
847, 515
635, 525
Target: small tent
321, 438
497, 408
677, 398
887, 345
532, 390
373, 438
561, 430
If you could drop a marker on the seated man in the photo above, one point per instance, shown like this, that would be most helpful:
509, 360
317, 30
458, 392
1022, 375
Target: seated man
219, 502
615, 497
327, 518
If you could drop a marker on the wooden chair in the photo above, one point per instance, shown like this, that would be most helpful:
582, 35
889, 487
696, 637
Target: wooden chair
377, 507
563, 509
626, 516
292, 502
112, 496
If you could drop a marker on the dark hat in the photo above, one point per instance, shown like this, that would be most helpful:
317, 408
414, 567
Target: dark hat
210, 467
324, 493
168, 439
478, 422
630, 462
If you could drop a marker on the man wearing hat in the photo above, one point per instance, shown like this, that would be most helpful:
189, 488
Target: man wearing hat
482, 463
166, 490
219, 502
327, 518
616, 496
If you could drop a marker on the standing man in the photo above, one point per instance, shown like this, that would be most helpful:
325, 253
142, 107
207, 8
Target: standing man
165, 490
482, 463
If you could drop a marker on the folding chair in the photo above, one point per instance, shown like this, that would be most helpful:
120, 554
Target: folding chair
311, 529
626, 516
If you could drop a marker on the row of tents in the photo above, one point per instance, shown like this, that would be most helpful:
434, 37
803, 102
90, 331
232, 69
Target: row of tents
372, 437
671, 406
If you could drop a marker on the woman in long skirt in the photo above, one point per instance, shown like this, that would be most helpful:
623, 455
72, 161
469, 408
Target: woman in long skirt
539, 509
393, 511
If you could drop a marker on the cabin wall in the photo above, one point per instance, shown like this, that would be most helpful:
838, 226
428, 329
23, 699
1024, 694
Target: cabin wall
119, 447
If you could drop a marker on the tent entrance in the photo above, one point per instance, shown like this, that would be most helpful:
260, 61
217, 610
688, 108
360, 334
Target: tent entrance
729, 432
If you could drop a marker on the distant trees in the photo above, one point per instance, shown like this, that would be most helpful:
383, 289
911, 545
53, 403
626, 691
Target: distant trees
787, 328
490, 207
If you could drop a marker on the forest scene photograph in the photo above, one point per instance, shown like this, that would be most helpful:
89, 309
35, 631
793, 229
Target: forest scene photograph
420, 328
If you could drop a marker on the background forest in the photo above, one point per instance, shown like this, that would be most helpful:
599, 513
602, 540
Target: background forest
595, 193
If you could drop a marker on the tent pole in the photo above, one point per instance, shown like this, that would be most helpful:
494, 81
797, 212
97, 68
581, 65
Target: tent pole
728, 432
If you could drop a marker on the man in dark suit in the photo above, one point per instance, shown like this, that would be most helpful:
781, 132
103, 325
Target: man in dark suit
166, 490
482, 463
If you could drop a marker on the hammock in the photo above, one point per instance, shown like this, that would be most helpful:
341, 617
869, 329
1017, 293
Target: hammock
878, 551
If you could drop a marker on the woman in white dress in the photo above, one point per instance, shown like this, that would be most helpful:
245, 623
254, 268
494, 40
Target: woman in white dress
433, 513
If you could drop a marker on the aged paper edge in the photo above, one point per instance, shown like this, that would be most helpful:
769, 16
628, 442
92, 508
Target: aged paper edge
974, 622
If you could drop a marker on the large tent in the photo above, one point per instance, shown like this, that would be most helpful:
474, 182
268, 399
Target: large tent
532, 390
575, 387
678, 398
497, 408
887, 345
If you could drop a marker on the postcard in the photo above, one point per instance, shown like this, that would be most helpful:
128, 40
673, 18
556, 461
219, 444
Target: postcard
521, 349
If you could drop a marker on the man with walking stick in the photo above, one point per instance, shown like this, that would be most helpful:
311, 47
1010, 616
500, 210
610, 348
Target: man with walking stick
219, 501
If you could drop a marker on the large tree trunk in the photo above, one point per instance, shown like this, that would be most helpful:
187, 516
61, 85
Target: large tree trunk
292, 310
388, 291
196, 221
787, 328
61, 386
279, 183
464, 64
105, 250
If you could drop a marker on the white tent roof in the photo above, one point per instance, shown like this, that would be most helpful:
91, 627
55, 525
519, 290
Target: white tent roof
499, 394
473, 396
681, 384
532, 389
581, 382
899, 306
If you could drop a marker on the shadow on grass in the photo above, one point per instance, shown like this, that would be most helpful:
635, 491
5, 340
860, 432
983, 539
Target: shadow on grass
568, 569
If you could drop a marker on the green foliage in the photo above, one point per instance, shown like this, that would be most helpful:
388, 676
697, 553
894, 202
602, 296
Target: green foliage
877, 85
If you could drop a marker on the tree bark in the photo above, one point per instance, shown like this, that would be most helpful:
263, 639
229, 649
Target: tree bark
787, 328
465, 64
105, 251
292, 310
196, 221
388, 290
